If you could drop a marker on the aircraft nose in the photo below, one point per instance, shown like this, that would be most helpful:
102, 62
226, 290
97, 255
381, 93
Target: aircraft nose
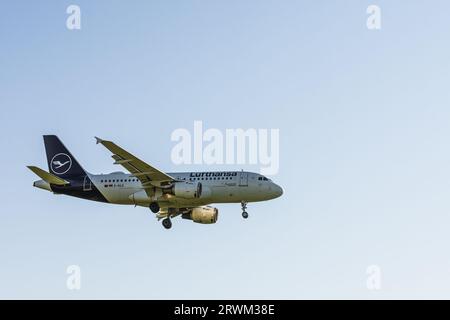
278, 191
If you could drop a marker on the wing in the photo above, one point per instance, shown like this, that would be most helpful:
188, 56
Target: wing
148, 175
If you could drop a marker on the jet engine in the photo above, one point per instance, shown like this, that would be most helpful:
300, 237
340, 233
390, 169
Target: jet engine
186, 190
205, 215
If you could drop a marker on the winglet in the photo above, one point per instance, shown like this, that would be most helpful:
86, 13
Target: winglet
98, 140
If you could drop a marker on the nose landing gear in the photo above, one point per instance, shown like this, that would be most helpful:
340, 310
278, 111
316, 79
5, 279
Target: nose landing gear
244, 207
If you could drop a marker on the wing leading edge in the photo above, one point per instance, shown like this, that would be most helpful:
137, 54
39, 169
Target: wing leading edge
148, 175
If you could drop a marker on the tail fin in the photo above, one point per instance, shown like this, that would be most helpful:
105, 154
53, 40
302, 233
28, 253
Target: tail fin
60, 160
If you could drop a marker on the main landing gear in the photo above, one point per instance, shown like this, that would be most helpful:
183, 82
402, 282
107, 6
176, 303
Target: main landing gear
154, 207
167, 223
244, 207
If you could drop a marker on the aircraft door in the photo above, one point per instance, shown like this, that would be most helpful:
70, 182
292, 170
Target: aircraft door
243, 179
87, 184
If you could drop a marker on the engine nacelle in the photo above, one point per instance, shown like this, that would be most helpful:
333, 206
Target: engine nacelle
187, 190
205, 215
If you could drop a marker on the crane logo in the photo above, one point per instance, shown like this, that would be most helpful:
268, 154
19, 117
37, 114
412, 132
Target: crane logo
61, 163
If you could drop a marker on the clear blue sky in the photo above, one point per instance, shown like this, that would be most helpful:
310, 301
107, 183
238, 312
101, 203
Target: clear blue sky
364, 159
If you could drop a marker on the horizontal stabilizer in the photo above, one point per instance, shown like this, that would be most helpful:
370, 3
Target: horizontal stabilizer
48, 177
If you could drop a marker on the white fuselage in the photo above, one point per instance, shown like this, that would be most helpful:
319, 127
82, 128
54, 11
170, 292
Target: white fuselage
217, 187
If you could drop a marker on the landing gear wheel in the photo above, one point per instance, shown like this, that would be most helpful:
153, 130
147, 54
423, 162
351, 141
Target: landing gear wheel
167, 223
244, 206
154, 207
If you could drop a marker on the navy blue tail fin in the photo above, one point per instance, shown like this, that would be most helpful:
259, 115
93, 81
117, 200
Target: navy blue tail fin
60, 160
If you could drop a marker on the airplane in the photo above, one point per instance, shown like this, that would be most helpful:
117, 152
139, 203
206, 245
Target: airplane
168, 195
